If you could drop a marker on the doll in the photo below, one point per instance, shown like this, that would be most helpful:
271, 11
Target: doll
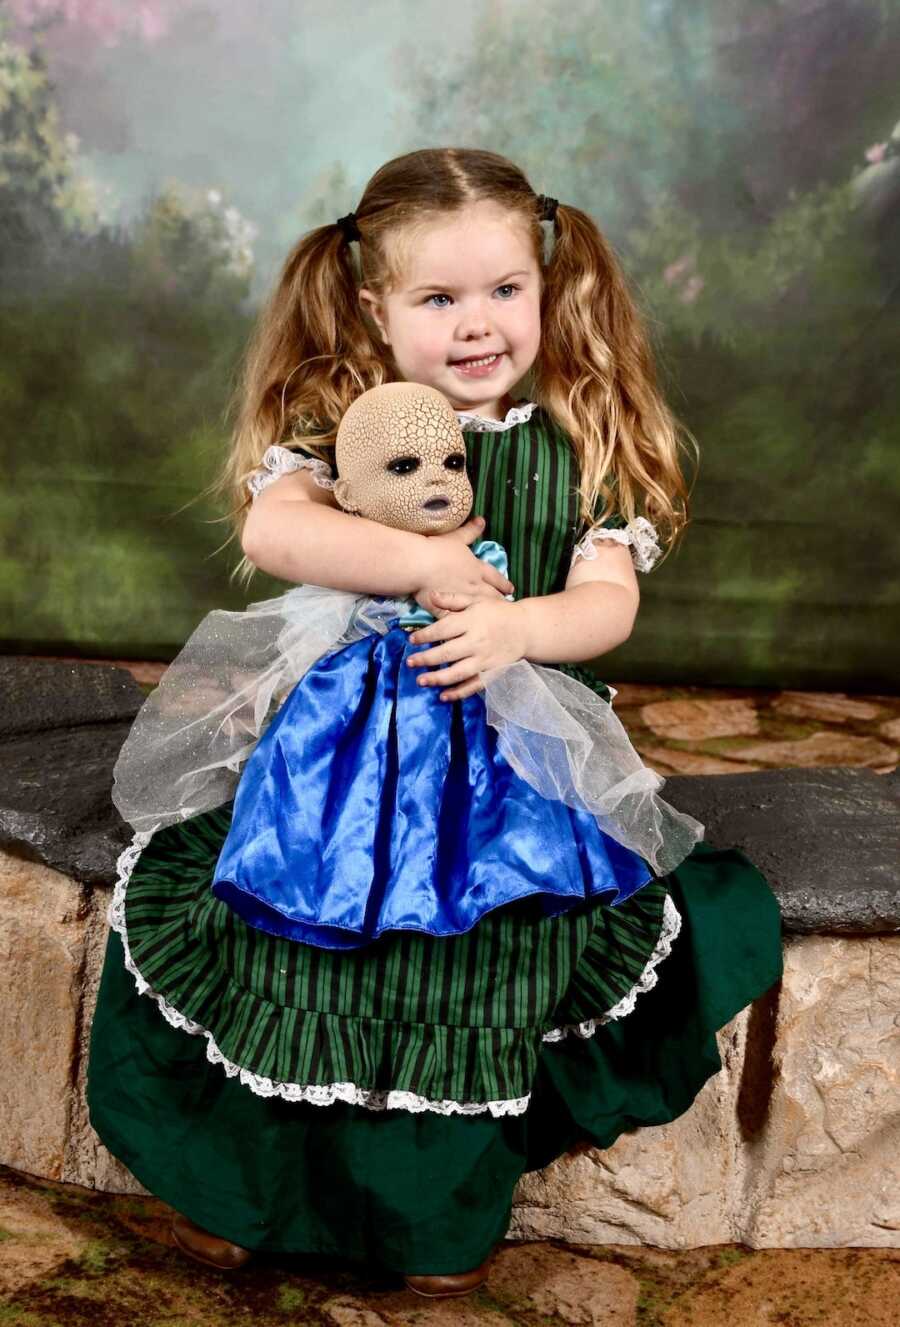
365, 804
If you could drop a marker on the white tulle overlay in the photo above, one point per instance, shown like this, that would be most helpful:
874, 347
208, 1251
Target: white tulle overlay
562, 739
325, 1094
194, 732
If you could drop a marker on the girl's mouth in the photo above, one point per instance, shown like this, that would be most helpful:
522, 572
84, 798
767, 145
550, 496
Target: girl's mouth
477, 368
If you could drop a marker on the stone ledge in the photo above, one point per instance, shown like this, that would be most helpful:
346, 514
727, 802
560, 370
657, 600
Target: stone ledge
827, 840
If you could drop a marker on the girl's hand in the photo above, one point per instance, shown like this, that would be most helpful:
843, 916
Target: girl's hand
451, 564
470, 638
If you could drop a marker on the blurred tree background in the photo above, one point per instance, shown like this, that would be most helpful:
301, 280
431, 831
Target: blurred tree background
744, 163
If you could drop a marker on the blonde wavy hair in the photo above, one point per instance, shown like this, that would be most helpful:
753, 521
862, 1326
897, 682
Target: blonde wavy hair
314, 349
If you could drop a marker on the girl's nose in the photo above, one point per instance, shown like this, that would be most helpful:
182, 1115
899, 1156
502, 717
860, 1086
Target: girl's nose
474, 321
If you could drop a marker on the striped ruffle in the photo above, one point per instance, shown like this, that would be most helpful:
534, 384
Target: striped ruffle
410, 1022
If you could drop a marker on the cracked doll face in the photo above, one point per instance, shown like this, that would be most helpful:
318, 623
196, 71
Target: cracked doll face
401, 457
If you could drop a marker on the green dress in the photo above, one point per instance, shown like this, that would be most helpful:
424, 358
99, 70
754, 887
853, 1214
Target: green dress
381, 1104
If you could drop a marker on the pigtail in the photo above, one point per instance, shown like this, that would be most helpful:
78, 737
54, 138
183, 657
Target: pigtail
310, 355
595, 375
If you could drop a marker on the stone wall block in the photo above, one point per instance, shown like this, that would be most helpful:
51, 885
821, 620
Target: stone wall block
828, 1172
42, 927
672, 1185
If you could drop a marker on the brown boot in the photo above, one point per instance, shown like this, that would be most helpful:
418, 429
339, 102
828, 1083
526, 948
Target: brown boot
206, 1248
446, 1285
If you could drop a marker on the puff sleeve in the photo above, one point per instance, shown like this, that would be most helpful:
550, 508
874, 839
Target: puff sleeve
639, 535
279, 461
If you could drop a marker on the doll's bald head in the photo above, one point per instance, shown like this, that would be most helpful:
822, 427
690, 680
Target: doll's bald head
401, 457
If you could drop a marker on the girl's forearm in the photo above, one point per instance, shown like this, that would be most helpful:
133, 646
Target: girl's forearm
311, 543
577, 624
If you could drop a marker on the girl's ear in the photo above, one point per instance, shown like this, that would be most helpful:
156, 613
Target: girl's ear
341, 492
373, 308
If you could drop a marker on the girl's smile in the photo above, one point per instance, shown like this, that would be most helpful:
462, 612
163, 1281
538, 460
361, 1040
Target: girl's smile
477, 368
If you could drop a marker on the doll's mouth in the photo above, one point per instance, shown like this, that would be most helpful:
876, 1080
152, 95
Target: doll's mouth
436, 504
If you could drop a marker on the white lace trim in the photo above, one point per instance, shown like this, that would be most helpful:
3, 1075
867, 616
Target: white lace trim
670, 927
516, 414
326, 1094
639, 533
279, 461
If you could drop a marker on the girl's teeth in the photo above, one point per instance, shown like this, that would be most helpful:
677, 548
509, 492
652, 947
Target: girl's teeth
474, 363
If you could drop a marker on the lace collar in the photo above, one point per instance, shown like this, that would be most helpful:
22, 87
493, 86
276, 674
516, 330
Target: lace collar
516, 414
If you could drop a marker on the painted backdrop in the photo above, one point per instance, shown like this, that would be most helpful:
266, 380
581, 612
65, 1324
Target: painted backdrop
158, 158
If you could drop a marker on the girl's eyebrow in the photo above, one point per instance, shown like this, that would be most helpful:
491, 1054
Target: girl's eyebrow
437, 285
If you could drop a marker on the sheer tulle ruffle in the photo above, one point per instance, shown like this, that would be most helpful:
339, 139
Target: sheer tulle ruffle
194, 733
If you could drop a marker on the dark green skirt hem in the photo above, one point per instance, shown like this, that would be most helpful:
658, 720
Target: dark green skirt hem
422, 1192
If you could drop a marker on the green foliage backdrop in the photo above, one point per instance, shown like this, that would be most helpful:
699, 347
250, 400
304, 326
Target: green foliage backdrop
743, 162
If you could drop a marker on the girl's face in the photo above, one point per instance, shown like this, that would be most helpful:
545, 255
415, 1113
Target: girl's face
472, 290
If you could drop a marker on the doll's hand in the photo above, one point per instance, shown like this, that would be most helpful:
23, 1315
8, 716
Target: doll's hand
469, 640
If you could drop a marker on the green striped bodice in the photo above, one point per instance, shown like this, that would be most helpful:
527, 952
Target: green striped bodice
525, 483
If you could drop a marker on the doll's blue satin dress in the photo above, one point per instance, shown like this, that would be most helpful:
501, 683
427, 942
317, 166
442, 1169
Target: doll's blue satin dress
370, 805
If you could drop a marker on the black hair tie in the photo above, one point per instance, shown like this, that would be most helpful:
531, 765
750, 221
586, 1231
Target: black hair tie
348, 226
547, 207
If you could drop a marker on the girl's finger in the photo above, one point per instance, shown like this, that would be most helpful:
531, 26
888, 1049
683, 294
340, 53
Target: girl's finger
467, 689
448, 652
462, 671
441, 632
444, 629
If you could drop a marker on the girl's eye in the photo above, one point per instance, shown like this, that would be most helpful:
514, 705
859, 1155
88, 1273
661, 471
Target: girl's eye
506, 286
404, 465
455, 462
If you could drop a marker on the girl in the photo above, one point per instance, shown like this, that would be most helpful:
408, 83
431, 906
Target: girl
382, 1103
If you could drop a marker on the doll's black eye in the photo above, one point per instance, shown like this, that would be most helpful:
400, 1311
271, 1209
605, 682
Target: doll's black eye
456, 461
404, 465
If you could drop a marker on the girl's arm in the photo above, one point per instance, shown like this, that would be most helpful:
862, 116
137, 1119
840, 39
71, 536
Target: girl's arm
296, 530
593, 614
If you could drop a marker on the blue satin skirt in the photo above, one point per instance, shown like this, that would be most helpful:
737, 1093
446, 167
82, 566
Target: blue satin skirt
370, 805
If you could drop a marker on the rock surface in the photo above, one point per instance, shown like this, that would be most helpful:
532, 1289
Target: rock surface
822, 749
55, 803
41, 961
828, 841
61, 727
691, 719
794, 1143
41, 694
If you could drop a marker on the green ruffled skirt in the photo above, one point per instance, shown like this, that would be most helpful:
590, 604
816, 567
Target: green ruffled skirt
550, 1031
